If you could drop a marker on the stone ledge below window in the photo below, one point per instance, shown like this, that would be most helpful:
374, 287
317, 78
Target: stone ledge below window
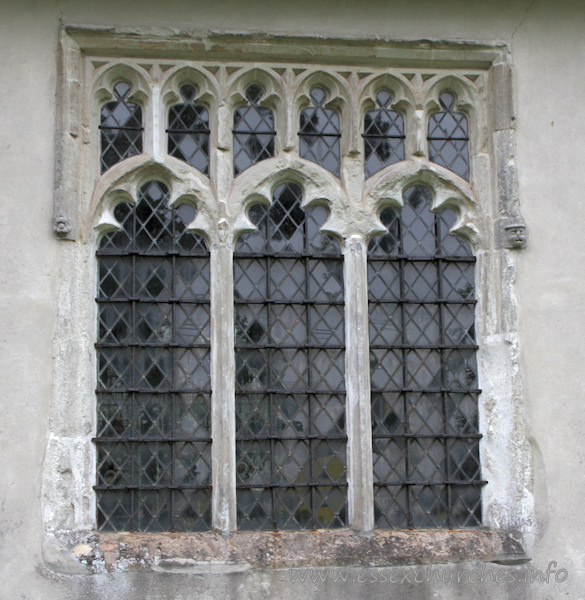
210, 552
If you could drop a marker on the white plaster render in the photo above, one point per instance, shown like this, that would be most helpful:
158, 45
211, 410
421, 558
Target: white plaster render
88, 199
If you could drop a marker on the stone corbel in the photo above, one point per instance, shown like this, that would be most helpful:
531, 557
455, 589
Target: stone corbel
62, 226
513, 234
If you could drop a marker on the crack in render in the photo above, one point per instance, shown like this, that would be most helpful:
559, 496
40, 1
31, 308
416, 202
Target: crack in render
522, 20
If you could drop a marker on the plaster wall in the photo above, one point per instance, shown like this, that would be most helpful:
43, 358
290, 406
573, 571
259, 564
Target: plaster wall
547, 49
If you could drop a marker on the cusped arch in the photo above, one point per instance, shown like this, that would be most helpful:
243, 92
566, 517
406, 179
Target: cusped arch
463, 90
387, 187
123, 181
208, 91
335, 86
338, 98
257, 184
273, 91
466, 102
403, 95
111, 74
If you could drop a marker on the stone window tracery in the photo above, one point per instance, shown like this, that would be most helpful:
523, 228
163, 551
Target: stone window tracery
350, 140
290, 333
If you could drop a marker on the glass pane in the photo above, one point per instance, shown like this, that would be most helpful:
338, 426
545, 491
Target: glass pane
253, 132
383, 136
448, 137
290, 402
320, 133
423, 370
153, 352
120, 128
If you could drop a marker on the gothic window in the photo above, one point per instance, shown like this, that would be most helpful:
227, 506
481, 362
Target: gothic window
423, 370
383, 135
253, 131
289, 319
120, 127
266, 358
188, 130
448, 137
320, 133
153, 388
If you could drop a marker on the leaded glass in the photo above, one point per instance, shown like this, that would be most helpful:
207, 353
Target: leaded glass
423, 370
188, 130
383, 135
290, 394
448, 137
153, 390
120, 127
253, 131
320, 133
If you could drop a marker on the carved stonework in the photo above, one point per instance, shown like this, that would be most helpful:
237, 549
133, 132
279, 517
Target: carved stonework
514, 235
61, 226
85, 202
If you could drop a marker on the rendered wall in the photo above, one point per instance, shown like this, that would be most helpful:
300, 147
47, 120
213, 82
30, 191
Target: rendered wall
547, 48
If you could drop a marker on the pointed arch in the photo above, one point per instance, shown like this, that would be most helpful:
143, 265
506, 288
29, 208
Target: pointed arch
258, 183
386, 188
122, 182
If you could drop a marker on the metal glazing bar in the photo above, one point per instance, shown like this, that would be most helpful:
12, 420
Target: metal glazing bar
428, 258
275, 436
455, 436
381, 136
148, 439
433, 482
297, 392
148, 391
305, 484
150, 487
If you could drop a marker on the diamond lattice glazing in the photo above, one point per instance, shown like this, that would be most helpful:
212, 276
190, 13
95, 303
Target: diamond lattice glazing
319, 134
423, 371
448, 137
291, 443
153, 429
120, 128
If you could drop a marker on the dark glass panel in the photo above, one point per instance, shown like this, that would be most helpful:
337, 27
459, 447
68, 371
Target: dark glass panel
253, 132
320, 133
188, 130
448, 137
290, 417
423, 370
383, 135
120, 128
153, 432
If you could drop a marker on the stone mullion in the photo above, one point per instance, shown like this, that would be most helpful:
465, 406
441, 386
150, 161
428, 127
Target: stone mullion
223, 418
360, 494
154, 140
223, 367
357, 378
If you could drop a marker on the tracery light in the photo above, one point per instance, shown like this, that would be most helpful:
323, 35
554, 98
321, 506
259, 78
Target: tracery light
120, 127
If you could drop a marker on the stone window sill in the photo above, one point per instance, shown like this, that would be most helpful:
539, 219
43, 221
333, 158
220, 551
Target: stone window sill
210, 552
